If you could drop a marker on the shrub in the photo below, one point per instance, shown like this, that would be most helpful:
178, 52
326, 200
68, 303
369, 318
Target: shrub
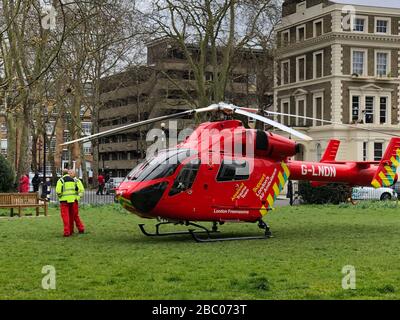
6, 176
331, 193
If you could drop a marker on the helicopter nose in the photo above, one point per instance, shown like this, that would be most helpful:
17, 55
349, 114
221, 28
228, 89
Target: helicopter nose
146, 199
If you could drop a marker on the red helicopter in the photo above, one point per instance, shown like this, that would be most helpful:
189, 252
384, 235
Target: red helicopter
224, 172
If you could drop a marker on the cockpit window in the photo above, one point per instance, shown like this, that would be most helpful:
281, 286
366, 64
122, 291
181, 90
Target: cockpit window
186, 177
235, 170
164, 165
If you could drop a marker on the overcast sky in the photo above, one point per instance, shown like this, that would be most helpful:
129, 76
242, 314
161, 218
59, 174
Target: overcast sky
375, 3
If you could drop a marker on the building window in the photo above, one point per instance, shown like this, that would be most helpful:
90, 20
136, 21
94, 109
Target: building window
378, 151
3, 146
318, 110
285, 72
285, 105
252, 79
359, 24
383, 110
365, 151
53, 145
301, 111
318, 28
301, 33
87, 128
3, 128
50, 127
355, 107
358, 62
66, 156
285, 38
382, 64
301, 68
318, 64
66, 136
369, 109
383, 25
87, 148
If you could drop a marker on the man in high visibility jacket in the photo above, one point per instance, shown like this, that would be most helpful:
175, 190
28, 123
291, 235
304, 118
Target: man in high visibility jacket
80, 190
66, 192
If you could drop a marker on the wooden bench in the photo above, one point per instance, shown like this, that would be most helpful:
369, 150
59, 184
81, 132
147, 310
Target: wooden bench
22, 200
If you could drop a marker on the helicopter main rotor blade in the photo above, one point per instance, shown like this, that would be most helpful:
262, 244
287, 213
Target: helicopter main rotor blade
330, 122
142, 123
273, 123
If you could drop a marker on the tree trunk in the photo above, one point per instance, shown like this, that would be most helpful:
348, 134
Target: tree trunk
23, 159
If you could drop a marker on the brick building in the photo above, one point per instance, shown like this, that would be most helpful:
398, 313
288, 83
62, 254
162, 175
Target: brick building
161, 87
339, 63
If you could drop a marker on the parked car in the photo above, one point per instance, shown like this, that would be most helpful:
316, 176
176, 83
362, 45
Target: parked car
396, 188
113, 183
369, 193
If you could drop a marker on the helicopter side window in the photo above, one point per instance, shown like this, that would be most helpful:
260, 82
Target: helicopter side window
185, 178
233, 171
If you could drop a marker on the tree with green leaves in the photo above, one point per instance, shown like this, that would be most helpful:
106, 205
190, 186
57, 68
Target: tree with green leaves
6, 175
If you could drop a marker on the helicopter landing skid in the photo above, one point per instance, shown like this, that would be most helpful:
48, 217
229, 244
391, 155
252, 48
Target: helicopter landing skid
159, 234
261, 225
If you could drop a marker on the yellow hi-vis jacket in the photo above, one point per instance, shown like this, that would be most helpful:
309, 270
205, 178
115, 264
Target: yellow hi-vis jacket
69, 189
80, 189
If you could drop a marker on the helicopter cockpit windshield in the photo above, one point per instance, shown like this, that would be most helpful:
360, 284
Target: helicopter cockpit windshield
164, 165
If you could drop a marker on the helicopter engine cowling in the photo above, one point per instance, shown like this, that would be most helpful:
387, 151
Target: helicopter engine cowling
274, 146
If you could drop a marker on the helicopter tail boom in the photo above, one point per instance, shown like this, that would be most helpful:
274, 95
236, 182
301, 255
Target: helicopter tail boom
377, 174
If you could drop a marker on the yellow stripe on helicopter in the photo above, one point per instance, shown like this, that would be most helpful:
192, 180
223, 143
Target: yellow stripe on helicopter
277, 187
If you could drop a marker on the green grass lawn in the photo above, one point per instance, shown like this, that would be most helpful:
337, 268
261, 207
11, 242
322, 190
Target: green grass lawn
114, 260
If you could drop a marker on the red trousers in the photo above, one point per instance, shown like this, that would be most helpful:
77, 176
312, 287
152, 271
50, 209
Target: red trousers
70, 215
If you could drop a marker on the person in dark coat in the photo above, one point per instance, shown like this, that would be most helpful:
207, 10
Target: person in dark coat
36, 182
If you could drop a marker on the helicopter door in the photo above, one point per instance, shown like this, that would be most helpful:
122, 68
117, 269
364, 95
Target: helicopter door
232, 179
185, 179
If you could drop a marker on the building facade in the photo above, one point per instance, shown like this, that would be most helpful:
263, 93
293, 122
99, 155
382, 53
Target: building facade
162, 87
339, 63
57, 133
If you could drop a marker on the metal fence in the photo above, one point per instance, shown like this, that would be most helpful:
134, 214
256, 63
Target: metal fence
90, 197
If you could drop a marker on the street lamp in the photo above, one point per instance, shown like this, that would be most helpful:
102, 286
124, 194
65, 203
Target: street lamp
46, 119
